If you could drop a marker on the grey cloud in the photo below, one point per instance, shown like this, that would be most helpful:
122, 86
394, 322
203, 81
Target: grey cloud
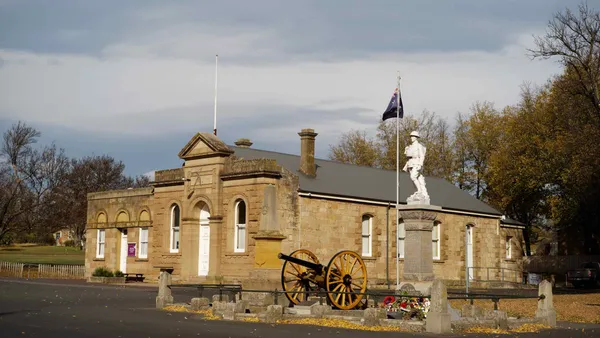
306, 30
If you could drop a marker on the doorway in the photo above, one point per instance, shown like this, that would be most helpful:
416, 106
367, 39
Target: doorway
123, 260
204, 242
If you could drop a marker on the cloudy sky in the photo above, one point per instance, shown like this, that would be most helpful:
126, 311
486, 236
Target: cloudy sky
135, 79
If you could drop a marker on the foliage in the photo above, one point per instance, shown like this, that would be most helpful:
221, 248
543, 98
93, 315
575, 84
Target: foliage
102, 272
118, 273
70, 243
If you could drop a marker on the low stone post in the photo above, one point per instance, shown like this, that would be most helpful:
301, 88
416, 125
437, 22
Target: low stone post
164, 297
438, 318
545, 312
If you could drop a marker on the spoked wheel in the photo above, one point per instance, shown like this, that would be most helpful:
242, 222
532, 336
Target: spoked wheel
346, 273
294, 277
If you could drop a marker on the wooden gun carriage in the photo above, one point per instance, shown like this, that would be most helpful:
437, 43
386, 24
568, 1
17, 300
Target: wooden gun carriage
344, 278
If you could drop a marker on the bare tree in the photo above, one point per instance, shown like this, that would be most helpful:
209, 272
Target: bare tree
575, 39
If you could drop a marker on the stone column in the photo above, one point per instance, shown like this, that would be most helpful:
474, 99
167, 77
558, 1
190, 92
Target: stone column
438, 318
216, 240
267, 267
418, 257
545, 312
188, 247
164, 297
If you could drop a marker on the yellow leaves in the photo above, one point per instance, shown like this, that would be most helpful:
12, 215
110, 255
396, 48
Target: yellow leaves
251, 320
338, 323
207, 314
572, 308
525, 328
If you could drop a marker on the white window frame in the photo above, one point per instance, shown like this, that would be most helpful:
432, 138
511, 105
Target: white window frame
435, 240
368, 251
173, 229
508, 247
240, 228
143, 243
100, 243
401, 239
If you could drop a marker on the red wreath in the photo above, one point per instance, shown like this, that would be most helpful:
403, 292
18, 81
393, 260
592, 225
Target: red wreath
388, 300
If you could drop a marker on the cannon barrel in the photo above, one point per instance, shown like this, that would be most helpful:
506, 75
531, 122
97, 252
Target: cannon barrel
315, 266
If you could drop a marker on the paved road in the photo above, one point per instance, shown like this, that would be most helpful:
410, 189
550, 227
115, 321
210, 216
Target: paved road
63, 309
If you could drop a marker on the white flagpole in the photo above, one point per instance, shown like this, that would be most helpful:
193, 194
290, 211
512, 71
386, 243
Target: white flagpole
397, 183
216, 69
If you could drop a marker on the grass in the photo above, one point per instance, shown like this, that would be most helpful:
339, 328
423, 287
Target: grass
27, 253
579, 308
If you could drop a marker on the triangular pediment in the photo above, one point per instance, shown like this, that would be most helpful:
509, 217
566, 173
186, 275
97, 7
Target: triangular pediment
204, 145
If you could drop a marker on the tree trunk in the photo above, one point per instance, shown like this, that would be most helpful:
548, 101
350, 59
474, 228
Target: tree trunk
527, 239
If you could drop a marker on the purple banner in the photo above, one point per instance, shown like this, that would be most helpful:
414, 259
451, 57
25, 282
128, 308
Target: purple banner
131, 249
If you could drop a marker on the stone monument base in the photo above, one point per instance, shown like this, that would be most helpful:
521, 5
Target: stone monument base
422, 288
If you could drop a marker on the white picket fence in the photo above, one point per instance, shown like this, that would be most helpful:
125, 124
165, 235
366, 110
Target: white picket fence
26, 270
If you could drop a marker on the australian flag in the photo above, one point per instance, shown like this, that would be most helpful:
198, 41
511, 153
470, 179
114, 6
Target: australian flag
390, 112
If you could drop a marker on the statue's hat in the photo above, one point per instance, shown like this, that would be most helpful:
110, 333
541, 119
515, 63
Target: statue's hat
415, 134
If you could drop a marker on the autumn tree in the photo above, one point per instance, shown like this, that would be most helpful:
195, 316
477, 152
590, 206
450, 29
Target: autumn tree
29, 179
355, 147
574, 39
476, 137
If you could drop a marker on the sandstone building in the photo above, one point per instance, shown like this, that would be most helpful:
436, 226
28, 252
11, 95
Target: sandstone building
226, 213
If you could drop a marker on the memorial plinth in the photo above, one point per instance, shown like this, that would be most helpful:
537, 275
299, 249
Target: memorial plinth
418, 259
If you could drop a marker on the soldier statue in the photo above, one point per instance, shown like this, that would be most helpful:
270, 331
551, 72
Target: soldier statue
416, 155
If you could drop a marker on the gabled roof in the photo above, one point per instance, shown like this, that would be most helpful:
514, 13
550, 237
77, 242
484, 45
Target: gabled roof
353, 181
203, 145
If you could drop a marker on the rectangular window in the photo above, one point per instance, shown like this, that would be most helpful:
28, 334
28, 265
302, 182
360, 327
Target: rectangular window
100, 244
508, 247
143, 253
241, 238
367, 228
435, 238
401, 236
175, 244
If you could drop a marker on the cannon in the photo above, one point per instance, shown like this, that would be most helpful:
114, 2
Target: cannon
345, 278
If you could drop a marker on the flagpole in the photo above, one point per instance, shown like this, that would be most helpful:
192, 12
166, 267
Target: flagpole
397, 183
216, 69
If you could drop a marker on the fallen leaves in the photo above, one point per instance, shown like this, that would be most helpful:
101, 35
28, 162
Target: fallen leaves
207, 314
584, 308
525, 328
338, 323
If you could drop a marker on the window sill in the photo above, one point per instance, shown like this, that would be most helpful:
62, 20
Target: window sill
171, 254
510, 260
237, 254
141, 260
368, 258
439, 261
98, 259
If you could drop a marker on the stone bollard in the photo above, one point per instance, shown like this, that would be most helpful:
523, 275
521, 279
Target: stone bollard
320, 310
438, 318
164, 297
200, 304
221, 298
274, 313
371, 316
545, 312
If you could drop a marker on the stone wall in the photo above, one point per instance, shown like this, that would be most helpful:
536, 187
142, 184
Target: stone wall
114, 210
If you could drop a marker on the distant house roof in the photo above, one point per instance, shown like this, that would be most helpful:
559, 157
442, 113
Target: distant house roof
353, 181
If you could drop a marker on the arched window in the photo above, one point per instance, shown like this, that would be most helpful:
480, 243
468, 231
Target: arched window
435, 240
240, 226
367, 235
175, 221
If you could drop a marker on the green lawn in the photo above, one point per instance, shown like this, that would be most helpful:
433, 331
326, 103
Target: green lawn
41, 254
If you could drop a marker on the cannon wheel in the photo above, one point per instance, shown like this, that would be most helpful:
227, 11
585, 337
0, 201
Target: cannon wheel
294, 276
346, 272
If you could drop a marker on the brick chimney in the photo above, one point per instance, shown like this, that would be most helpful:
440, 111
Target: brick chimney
307, 152
243, 143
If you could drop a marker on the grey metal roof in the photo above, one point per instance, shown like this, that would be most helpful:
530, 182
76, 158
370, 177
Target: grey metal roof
347, 180
511, 221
